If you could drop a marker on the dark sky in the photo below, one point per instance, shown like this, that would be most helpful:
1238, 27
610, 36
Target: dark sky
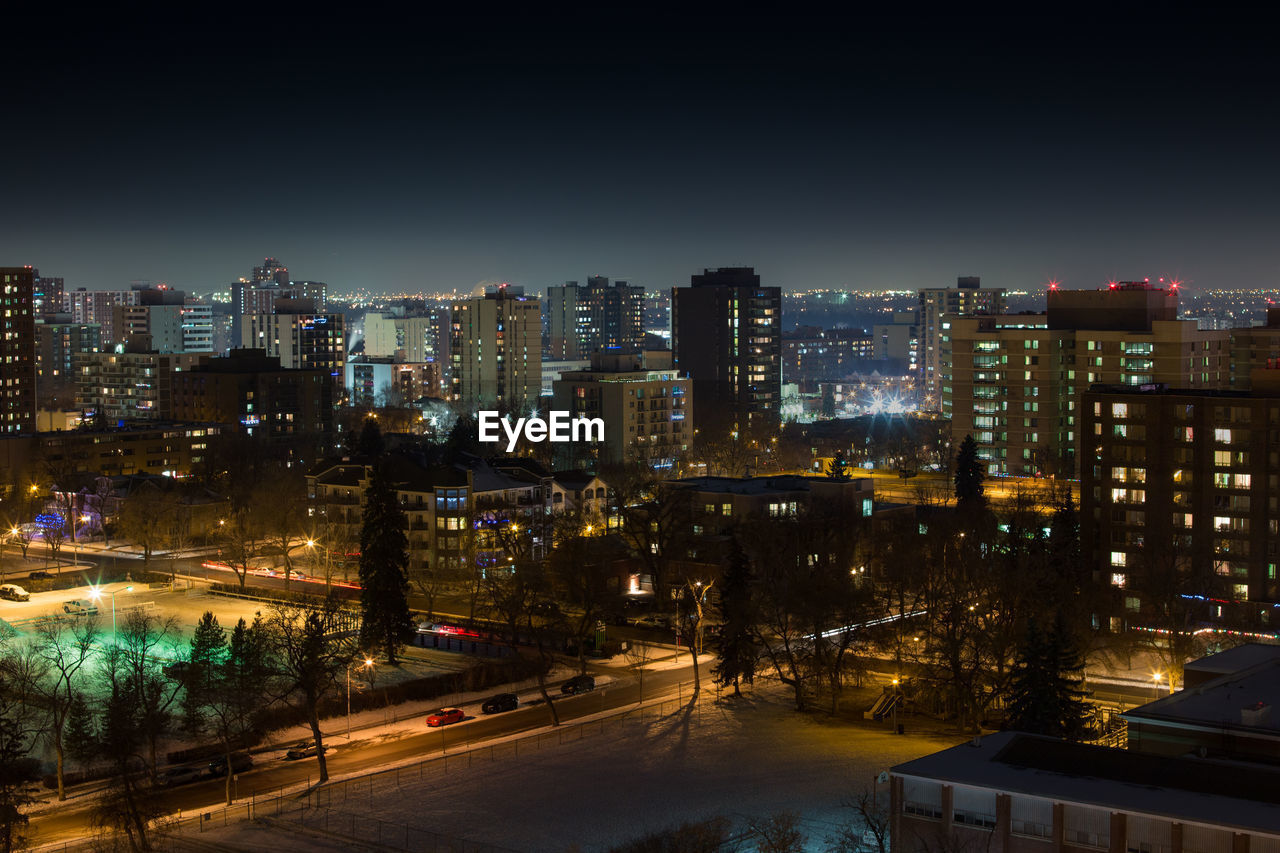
398, 153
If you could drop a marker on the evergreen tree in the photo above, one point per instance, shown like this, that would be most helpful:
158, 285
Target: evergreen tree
838, 468
738, 652
201, 680
370, 442
828, 402
1047, 697
969, 477
81, 736
384, 564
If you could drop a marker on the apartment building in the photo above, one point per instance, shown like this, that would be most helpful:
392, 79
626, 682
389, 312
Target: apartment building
495, 352
647, 414
1014, 381
1193, 475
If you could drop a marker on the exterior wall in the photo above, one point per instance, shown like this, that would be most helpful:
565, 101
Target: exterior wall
95, 306
936, 302
727, 338
125, 386
259, 399
496, 352
1199, 472
1025, 824
18, 350
176, 449
1007, 382
647, 414
1014, 381
301, 341
1252, 349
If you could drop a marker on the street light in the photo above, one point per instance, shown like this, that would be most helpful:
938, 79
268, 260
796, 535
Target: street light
1156, 677
368, 664
96, 595
895, 703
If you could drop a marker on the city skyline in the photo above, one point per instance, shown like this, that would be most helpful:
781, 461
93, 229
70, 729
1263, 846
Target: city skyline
894, 154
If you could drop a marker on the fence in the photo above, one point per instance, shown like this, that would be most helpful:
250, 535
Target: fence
334, 807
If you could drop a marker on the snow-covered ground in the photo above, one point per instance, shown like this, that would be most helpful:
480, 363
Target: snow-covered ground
747, 758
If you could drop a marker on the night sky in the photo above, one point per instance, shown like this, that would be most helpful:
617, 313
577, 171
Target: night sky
402, 154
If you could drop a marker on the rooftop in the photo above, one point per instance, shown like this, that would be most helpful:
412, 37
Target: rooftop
1241, 700
757, 485
1186, 789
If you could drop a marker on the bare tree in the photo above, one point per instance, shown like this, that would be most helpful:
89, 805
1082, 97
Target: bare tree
280, 501
307, 661
54, 533
779, 833
579, 571
126, 808
691, 611
153, 694
146, 519
20, 725
64, 649
521, 598
239, 539
656, 523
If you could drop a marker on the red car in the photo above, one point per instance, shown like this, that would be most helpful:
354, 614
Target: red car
445, 716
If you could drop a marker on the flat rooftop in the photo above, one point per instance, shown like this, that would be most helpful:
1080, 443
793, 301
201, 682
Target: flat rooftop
758, 485
1235, 795
1219, 703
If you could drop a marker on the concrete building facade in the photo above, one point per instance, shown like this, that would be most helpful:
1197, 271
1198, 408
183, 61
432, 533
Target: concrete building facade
17, 350
495, 352
967, 297
1185, 475
647, 414
1013, 381
727, 335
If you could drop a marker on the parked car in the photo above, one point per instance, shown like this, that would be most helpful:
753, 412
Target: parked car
41, 575
13, 592
650, 621
578, 684
182, 775
80, 607
240, 762
306, 750
501, 702
445, 716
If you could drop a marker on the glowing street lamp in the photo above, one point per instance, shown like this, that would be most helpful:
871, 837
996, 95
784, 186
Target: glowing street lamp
368, 664
96, 594
1156, 678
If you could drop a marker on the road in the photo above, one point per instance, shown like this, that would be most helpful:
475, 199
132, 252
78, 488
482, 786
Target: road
274, 772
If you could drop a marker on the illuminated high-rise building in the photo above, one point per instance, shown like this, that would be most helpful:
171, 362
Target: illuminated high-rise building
270, 282
967, 297
271, 271
17, 350
598, 316
726, 333
495, 352
300, 336
1013, 381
